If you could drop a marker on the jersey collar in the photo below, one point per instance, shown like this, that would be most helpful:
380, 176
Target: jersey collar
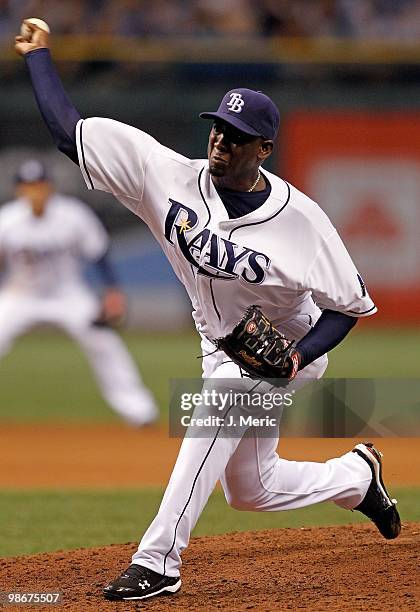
278, 199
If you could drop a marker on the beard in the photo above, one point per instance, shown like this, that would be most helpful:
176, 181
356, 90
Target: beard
216, 170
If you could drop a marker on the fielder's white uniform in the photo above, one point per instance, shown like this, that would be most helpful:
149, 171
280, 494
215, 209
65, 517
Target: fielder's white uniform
44, 285
284, 256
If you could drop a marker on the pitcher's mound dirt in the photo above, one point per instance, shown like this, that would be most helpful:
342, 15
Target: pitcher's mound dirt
330, 568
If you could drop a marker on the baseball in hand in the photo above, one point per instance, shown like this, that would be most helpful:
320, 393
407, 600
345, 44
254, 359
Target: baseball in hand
26, 32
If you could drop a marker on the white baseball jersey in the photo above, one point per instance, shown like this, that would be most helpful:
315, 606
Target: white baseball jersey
43, 255
286, 256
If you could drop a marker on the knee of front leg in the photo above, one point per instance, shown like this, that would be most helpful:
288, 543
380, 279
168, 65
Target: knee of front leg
240, 504
249, 499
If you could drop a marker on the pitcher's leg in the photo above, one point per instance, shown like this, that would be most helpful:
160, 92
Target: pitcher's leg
200, 463
280, 484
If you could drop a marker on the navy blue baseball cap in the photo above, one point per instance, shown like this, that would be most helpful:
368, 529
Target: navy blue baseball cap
250, 111
31, 171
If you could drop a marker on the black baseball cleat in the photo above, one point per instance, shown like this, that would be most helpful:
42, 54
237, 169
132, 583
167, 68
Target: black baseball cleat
139, 582
377, 505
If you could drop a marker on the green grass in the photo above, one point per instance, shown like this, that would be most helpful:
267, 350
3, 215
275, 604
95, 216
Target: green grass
381, 353
47, 378
37, 521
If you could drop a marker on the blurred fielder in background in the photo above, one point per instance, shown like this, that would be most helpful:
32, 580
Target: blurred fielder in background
45, 238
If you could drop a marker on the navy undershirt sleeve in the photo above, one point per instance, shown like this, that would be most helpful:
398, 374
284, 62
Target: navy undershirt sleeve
56, 108
330, 329
106, 271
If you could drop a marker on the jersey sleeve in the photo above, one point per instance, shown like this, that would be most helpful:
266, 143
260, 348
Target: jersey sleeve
335, 282
113, 158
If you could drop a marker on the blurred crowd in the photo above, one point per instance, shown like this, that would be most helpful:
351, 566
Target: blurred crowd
359, 19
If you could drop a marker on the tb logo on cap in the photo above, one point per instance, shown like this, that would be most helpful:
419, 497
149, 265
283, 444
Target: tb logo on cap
236, 102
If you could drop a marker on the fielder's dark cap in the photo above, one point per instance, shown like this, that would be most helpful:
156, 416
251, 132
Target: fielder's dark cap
250, 111
31, 171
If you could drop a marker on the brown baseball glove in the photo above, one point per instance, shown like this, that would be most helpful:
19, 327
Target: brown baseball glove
260, 349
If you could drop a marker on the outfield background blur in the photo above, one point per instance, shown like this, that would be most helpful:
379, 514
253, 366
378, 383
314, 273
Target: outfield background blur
345, 75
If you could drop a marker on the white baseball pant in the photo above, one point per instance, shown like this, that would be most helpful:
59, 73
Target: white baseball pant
253, 477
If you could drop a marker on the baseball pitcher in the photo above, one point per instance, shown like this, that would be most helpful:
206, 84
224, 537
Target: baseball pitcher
263, 266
